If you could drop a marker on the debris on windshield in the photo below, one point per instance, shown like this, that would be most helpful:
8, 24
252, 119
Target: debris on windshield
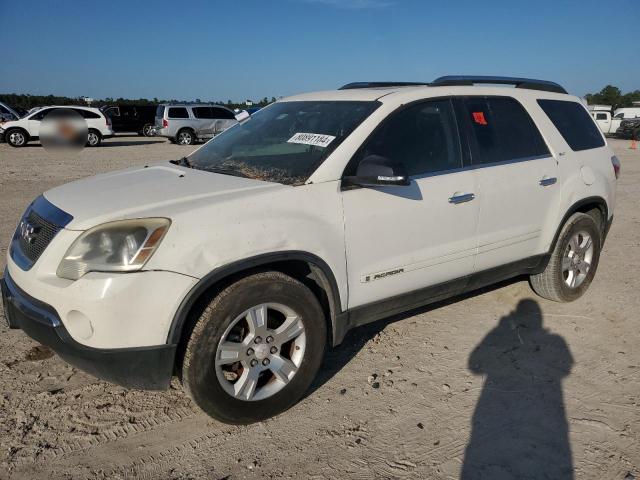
263, 172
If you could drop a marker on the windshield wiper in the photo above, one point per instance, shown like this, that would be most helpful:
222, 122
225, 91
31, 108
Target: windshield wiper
227, 171
183, 162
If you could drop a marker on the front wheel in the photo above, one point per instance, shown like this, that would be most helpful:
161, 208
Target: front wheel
255, 349
93, 138
16, 137
573, 262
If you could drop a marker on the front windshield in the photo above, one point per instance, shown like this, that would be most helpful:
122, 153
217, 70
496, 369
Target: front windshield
284, 142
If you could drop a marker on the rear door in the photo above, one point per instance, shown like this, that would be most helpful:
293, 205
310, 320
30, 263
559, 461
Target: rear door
518, 179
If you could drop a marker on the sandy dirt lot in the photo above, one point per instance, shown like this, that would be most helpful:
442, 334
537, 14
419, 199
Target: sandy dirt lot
525, 387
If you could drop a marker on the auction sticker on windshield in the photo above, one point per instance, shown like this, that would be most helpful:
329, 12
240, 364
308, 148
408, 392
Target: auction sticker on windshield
315, 139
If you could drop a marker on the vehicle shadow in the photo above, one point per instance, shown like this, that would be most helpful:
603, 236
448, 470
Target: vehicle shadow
120, 143
338, 357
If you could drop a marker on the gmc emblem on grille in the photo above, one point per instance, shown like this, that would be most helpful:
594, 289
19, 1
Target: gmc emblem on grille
28, 232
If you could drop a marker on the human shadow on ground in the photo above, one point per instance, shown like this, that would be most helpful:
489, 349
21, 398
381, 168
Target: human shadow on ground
519, 427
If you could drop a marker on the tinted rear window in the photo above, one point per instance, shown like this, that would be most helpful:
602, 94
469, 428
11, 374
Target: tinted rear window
574, 124
160, 111
86, 113
503, 130
178, 112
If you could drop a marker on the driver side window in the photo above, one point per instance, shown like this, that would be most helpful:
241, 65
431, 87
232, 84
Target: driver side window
423, 137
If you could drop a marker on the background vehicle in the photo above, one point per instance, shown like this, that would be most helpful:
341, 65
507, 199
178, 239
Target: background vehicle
610, 123
131, 118
323, 212
19, 132
185, 124
629, 128
8, 113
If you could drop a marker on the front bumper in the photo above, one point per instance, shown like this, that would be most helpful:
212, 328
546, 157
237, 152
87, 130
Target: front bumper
147, 368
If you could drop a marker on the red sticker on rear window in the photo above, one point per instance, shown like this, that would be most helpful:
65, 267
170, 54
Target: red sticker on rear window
478, 117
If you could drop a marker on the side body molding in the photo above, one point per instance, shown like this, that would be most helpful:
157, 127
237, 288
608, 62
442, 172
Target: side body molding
321, 270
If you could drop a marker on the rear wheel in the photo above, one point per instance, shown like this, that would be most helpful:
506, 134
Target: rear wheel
255, 349
185, 137
573, 262
16, 137
146, 130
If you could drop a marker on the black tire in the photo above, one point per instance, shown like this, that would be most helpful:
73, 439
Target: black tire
198, 368
551, 284
146, 130
186, 136
94, 138
16, 137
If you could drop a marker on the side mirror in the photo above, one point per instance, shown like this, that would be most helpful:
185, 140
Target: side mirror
378, 171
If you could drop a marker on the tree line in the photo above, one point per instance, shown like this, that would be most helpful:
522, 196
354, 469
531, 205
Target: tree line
27, 101
609, 95
613, 96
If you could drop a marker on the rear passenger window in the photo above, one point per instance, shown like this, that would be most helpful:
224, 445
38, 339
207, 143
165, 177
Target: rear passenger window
601, 116
178, 112
202, 112
86, 113
424, 137
574, 124
503, 130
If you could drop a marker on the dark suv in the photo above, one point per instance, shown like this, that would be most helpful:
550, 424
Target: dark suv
131, 118
629, 128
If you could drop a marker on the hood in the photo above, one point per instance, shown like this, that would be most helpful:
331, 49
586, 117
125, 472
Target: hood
157, 190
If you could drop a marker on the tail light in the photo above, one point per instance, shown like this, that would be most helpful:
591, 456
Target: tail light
165, 123
616, 166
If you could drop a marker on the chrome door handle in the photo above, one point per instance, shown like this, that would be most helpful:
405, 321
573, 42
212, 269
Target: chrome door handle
546, 181
461, 197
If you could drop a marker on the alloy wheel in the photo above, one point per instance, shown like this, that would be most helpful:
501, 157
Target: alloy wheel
577, 259
16, 138
260, 352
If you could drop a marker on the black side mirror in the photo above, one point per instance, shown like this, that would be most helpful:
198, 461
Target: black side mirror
378, 171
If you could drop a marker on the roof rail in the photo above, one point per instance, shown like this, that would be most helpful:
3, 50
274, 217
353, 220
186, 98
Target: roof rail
528, 83
353, 85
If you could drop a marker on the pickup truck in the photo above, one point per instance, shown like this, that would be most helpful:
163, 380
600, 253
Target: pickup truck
609, 123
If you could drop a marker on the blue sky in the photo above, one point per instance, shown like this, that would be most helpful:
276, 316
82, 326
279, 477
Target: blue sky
219, 50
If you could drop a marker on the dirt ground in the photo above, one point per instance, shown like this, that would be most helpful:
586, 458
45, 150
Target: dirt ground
498, 384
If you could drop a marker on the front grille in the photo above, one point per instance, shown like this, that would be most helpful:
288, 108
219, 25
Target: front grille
33, 245
37, 228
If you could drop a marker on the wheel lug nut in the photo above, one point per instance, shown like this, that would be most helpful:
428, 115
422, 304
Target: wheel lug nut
257, 340
273, 350
269, 339
254, 362
250, 351
265, 362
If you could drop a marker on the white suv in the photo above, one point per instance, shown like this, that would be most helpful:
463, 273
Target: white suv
235, 266
19, 132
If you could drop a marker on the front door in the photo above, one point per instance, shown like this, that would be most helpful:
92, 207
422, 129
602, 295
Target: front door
401, 239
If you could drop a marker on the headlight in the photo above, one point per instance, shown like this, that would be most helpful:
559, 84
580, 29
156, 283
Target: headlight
122, 246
